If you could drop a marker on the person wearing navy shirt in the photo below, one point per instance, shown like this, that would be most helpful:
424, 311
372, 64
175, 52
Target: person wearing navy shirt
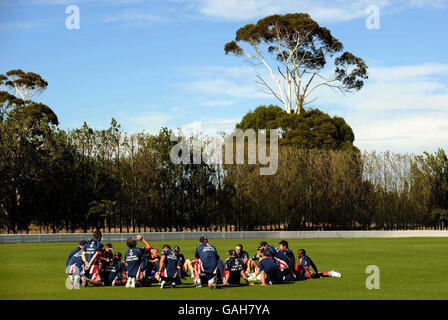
94, 249
234, 269
284, 247
270, 249
76, 259
133, 259
240, 253
289, 258
117, 274
253, 262
183, 269
269, 270
168, 267
303, 271
207, 262
279, 256
106, 260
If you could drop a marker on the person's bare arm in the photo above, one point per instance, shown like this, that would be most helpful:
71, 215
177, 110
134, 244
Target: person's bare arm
83, 256
263, 278
91, 260
146, 243
226, 278
243, 274
162, 262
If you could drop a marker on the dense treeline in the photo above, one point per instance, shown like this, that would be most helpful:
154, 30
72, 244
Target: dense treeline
86, 178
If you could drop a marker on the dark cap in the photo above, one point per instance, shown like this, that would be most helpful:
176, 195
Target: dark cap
263, 243
202, 239
118, 254
176, 248
83, 242
109, 245
231, 253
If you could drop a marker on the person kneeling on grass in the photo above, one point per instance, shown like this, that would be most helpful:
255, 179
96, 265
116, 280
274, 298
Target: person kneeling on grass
269, 270
207, 260
234, 270
94, 250
303, 271
133, 259
168, 268
75, 262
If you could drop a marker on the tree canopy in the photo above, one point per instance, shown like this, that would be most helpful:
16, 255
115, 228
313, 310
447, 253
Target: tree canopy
300, 51
20, 91
312, 129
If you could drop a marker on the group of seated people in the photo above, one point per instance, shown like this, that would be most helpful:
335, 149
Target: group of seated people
97, 264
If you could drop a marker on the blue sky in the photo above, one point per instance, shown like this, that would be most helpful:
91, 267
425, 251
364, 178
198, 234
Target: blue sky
160, 63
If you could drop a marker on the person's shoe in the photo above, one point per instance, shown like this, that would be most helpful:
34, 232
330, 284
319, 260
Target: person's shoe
76, 282
128, 283
335, 274
215, 280
84, 281
197, 282
162, 284
173, 285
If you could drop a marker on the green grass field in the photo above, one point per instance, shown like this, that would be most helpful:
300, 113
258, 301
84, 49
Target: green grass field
412, 268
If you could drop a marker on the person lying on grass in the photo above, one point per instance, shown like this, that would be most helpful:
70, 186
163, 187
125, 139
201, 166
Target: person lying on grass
303, 271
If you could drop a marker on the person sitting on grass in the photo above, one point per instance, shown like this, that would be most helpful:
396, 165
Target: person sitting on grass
117, 274
284, 247
253, 264
75, 261
234, 270
106, 261
150, 266
182, 265
269, 270
240, 253
133, 259
303, 271
168, 267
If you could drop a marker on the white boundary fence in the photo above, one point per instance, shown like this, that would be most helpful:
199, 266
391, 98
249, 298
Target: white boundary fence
155, 236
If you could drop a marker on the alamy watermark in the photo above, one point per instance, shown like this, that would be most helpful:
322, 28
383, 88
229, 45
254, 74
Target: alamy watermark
373, 20
73, 21
373, 280
228, 149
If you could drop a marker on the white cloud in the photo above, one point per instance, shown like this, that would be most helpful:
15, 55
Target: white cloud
403, 133
400, 108
21, 25
150, 121
133, 18
321, 10
216, 81
218, 103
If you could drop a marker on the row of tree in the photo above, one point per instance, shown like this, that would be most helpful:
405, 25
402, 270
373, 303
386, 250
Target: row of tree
85, 178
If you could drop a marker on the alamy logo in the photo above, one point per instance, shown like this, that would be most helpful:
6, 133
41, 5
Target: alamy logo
373, 20
235, 146
373, 281
73, 21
